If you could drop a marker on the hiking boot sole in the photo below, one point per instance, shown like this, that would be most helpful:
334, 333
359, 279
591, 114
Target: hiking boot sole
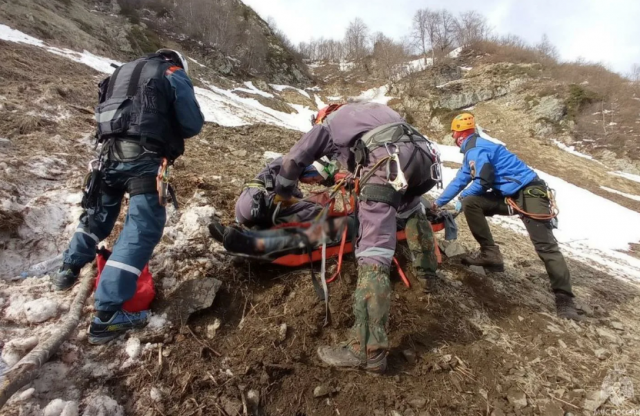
103, 339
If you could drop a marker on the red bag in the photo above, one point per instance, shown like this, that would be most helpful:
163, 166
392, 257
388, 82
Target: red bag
145, 291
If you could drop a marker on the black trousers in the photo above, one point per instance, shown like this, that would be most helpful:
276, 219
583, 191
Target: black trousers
477, 208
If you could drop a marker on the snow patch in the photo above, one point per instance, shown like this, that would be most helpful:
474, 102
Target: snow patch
254, 90
195, 62
319, 103
613, 191
96, 62
281, 88
40, 310
630, 176
455, 53
347, 66
485, 135
376, 95
133, 348
157, 322
335, 97
102, 405
571, 149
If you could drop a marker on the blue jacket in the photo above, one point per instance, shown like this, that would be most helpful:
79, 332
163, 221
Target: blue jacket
187, 111
488, 166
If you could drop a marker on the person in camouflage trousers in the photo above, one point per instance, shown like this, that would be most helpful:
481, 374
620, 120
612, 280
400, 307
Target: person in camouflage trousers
336, 132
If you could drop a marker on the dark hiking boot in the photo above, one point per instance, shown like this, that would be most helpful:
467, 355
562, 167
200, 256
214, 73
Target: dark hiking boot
66, 277
217, 230
103, 330
489, 258
236, 241
565, 307
343, 356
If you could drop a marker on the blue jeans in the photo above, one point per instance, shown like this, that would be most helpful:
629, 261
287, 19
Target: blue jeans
141, 233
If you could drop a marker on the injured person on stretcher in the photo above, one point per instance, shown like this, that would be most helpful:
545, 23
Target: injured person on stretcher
277, 241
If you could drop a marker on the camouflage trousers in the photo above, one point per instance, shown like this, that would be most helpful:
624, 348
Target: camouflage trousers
421, 243
371, 309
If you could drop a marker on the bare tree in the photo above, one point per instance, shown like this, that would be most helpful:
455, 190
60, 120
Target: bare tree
445, 31
634, 75
389, 55
547, 51
356, 40
424, 31
471, 27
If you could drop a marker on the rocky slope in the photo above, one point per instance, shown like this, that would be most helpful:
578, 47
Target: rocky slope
106, 28
487, 345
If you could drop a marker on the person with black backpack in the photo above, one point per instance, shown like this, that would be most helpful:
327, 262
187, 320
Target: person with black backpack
146, 109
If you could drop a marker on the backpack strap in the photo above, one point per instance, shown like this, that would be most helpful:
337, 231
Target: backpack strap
135, 78
112, 82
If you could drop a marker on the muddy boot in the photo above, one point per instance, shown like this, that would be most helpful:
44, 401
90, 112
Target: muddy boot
490, 258
565, 307
66, 277
344, 356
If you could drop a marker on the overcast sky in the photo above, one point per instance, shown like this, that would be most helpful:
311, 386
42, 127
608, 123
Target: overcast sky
606, 31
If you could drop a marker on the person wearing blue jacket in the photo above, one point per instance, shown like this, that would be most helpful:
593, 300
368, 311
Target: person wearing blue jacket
146, 109
494, 181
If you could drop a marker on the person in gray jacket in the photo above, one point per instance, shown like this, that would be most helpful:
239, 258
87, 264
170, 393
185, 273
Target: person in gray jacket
396, 166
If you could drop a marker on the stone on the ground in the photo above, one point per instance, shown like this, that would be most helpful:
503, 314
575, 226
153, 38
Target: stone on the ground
478, 269
551, 409
102, 405
602, 354
607, 334
322, 390
40, 310
594, 400
253, 401
410, 356
133, 348
282, 332
156, 394
617, 325
517, 398
191, 296
232, 407
497, 412
418, 402
454, 249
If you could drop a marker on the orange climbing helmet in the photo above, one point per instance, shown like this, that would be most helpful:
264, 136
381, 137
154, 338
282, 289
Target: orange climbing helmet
463, 122
323, 113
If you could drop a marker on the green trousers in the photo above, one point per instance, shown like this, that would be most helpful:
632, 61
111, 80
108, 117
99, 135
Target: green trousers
372, 301
477, 208
421, 243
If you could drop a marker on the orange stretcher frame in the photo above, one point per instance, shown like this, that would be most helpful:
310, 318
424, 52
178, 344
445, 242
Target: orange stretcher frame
297, 260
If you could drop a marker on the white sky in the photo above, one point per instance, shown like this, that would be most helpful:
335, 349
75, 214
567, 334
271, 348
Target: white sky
606, 31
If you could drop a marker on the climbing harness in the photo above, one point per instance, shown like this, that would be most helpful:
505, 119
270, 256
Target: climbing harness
536, 191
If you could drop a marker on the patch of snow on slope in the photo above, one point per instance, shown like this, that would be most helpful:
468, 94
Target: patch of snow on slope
630, 176
613, 191
227, 109
376, 95
455, 53
592, 246
485, 135
196, 62
347, 66
571, 149
96, 62
281, 88
319, 103
254, 90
